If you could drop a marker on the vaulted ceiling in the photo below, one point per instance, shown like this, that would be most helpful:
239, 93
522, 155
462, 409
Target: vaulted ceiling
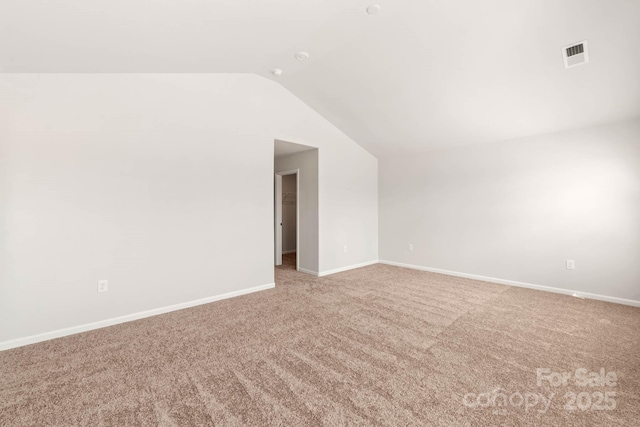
421, 74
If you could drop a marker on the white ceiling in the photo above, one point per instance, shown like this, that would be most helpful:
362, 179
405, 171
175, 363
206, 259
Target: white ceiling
420, 75
283, 148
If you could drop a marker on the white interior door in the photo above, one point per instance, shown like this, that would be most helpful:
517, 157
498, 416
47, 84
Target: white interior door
278, 219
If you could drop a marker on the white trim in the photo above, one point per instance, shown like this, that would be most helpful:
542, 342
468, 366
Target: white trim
297, 218
277, 220
288, 172
6, 345
304, 270
580, 294
349, 267
289, 252
337, 270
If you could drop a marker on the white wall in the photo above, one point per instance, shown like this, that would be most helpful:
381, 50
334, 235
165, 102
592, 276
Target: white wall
125, 177
517, 210
307, 163
348, 205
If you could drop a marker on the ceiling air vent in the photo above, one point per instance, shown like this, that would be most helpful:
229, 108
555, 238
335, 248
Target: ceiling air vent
575, 54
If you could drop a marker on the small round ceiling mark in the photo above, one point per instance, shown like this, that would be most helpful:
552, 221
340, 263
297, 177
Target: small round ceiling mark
302, 56
277, 72
374, 9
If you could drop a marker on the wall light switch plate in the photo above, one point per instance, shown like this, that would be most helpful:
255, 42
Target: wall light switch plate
410, 247
571, 264
103, 285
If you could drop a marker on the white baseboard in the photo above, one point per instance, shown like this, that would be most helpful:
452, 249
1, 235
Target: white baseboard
6, 345
304, 270
289, 252
349, 267
337, 270
580, 294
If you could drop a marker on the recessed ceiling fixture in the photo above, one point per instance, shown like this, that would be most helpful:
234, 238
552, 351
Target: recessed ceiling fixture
276, 72
575, 54
301, 56
374, 9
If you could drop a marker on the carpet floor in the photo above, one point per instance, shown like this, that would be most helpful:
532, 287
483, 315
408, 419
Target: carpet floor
379, 345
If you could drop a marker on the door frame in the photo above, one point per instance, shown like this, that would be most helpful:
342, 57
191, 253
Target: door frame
295, 172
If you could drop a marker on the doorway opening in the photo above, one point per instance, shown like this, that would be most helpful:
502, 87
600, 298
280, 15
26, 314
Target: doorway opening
287, 218
296, 222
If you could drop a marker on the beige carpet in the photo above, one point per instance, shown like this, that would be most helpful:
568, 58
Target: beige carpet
380, 345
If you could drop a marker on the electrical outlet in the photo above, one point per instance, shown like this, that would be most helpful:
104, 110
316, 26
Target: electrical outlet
410, 247
345, 248
571, 264
103, 285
